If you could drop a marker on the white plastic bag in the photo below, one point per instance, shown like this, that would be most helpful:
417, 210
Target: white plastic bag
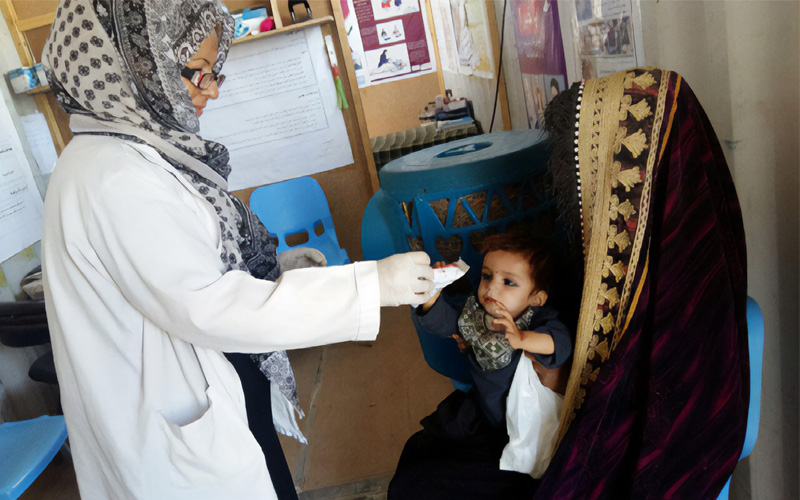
532, 420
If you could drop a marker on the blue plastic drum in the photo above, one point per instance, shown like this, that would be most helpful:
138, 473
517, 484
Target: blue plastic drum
446, 199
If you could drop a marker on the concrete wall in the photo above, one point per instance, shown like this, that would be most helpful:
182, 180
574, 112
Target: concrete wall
741, 59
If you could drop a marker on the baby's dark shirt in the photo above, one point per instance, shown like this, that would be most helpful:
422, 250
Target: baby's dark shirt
442, 320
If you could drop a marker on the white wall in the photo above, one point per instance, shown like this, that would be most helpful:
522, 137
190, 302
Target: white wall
741, 60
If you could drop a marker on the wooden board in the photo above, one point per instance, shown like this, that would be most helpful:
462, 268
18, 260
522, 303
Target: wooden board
395, 106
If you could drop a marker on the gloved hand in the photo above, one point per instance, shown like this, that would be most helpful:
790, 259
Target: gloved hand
405, 278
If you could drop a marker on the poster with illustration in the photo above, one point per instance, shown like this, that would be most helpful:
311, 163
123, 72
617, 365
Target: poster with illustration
386, 9
553, 85
389, 39
391, 61
472, 38
535, 98
541, 54
390, 32
607, 36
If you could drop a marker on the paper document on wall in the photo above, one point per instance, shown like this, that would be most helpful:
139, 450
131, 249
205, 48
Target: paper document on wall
20, 202
277, 113
40, 141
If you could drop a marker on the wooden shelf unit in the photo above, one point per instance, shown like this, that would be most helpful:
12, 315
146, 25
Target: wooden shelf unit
286, 29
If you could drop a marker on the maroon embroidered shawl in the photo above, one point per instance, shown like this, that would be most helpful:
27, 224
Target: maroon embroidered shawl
656, 405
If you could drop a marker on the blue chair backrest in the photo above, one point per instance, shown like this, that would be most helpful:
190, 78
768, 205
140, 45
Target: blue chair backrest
755, 340
296, 209
26, 448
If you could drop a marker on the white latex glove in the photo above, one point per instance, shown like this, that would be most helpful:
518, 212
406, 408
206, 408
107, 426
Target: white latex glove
405, 278
297, 258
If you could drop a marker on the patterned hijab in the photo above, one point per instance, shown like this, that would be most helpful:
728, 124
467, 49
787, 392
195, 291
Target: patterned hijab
114, 66
656, 404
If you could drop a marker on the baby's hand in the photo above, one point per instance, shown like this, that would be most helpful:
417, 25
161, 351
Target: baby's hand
427, 305
463, 345
505, 323
515, 338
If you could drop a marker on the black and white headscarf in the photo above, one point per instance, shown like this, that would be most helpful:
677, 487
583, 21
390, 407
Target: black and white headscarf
492, 349
114, 66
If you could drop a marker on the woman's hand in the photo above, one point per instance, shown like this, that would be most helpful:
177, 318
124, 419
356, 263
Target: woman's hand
405, 278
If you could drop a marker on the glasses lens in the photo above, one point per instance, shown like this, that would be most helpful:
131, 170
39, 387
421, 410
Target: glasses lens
206, 79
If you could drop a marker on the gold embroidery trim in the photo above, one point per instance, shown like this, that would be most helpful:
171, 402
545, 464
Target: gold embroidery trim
635, 142
654, 155
625, 209
644, 80
594, 153
628, 178
640, 110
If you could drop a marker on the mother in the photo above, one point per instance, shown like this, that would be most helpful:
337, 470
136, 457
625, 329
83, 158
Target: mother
656, 405
152, 269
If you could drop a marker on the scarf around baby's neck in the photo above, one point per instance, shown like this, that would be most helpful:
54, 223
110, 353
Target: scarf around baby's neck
492, 350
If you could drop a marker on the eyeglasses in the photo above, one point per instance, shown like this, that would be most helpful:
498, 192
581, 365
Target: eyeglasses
202, 79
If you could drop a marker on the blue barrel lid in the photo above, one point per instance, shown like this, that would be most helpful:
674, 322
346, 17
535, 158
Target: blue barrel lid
473, 161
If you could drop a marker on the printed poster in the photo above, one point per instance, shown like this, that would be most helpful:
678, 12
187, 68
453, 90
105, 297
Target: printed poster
389, 39
541, 54
608, 36
472, 37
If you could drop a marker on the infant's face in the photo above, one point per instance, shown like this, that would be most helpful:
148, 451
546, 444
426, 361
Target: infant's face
506, 278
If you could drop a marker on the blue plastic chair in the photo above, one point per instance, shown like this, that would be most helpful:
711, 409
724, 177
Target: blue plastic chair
298, 209
26, 448
755, 339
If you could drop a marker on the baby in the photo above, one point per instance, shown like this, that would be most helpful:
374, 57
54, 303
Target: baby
507, 315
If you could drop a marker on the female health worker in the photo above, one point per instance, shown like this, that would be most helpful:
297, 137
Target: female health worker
152, 269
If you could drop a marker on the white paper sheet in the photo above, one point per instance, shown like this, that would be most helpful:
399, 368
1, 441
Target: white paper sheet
443, 22
20, 202
40, 141
277, 111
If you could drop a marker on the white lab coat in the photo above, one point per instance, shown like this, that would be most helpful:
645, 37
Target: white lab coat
140, 310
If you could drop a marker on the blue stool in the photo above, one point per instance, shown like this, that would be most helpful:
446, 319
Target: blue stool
445, 200
26, 448
298, 208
